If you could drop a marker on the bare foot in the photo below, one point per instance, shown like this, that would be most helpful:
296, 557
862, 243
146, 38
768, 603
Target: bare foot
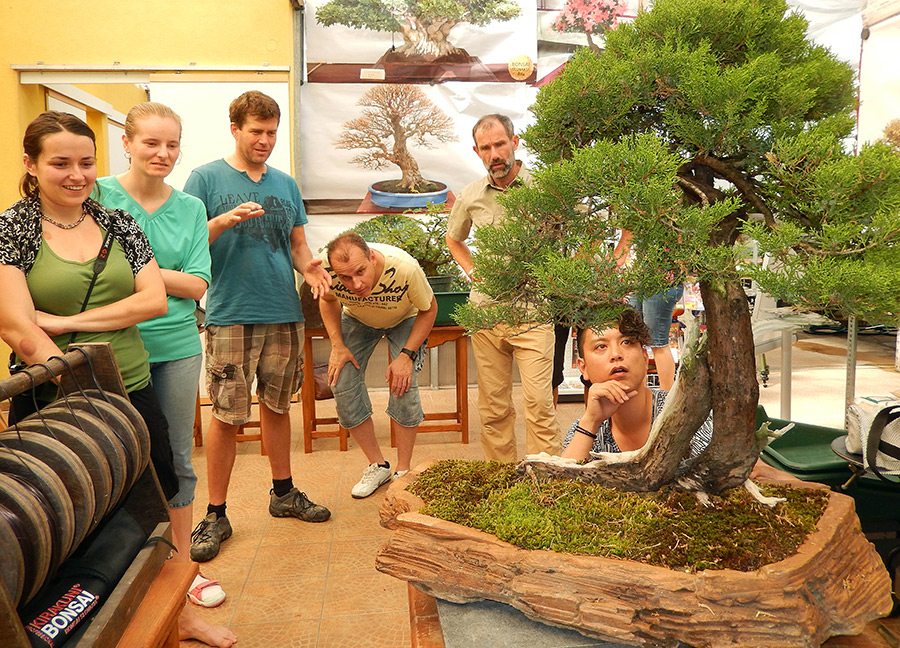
192, 626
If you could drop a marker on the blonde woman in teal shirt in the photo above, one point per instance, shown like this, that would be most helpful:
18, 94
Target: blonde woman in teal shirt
175, 224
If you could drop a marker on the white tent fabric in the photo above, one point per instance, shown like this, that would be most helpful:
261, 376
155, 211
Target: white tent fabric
873, 52
879, 79
835, 24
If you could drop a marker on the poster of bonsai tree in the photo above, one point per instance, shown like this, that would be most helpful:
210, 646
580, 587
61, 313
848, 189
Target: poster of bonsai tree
424, 26
396, 117
592, 17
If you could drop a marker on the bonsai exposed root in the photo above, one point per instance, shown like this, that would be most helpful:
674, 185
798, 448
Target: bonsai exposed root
765, 434
769, 502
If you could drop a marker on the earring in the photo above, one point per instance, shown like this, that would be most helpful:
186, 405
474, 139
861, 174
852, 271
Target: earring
127, 155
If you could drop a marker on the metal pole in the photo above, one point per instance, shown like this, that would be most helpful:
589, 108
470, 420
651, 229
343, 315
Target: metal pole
787, 338
850, 388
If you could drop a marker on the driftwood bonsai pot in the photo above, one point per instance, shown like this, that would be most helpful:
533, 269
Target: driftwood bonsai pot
833, 585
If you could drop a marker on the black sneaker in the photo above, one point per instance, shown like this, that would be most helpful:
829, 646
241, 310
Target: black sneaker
206, 538
296, 504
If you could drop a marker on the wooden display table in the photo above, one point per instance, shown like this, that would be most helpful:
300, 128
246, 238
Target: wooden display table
459, 418
314, 427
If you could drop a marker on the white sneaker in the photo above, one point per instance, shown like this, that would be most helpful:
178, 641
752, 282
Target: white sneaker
400, 473
373, 477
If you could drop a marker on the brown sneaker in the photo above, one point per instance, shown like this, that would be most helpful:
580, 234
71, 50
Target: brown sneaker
296, 504
207, 536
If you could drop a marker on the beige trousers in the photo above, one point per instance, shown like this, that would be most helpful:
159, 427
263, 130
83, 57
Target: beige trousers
494, 352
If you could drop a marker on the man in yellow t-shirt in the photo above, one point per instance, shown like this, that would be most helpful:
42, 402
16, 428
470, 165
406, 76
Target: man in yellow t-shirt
378, 291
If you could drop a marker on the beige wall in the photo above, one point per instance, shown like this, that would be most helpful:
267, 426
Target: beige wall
136, 33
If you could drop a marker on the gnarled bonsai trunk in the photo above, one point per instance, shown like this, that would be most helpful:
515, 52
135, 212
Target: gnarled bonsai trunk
733, 388
658, 462
428, 40
412, 179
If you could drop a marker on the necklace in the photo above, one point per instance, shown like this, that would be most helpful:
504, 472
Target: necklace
64, 225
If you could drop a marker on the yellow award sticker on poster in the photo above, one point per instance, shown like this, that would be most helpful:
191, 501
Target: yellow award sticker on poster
520, 67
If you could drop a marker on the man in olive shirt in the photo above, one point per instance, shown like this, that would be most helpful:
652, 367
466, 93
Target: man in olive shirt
531, 346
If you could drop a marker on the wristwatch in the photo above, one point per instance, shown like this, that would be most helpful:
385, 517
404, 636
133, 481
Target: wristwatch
412, 354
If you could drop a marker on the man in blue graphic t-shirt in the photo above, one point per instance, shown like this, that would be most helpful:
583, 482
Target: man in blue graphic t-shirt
254, 323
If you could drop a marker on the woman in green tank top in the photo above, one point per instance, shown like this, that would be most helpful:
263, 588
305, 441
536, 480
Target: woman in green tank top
48, 243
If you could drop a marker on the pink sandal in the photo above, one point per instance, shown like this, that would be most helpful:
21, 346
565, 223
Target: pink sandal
206, 592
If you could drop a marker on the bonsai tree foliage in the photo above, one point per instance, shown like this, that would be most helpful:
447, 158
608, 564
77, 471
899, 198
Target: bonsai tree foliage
593, 17
395, 117
425, 26
421, 237
701, 124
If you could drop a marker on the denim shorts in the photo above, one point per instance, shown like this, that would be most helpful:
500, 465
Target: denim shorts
351, 397
175, 383
656, 311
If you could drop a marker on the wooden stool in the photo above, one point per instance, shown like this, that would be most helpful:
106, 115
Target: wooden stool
311, 423
460, 417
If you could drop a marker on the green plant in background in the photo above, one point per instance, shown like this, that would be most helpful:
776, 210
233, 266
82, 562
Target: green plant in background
701, 123
420, 236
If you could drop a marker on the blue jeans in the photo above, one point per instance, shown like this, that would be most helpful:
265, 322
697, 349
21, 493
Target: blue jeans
656, 312
351, 398
175, 383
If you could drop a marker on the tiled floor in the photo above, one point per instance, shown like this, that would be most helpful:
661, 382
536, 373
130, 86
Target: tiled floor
292, 584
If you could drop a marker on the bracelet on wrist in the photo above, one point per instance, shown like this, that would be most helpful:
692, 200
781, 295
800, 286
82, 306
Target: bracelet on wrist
585, 432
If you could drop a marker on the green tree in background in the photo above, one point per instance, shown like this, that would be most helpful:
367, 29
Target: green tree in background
702, 124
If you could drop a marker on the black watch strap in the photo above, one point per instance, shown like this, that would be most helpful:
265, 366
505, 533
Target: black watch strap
412, 354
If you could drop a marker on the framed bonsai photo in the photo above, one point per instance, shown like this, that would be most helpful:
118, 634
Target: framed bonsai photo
348, 41
349, 142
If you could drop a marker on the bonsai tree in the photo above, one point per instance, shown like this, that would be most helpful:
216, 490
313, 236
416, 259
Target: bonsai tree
702, 122
394, 118
422, 238
425, 26
593, 17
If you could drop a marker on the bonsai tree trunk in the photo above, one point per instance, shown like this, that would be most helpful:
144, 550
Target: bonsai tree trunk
412, 179
658, 462
717, 372
734, 391
423, 39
